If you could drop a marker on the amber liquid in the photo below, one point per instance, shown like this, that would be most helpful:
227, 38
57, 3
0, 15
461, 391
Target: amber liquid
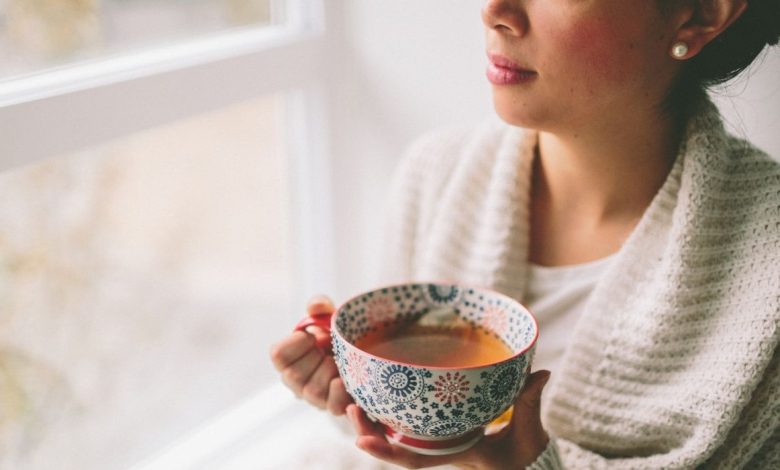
435, 346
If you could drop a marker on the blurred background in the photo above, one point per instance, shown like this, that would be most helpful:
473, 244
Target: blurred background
177, 177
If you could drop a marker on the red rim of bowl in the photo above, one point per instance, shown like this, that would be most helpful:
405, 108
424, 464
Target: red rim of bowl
465, 286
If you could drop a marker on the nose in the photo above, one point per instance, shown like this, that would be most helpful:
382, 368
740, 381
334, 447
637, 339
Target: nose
505, 16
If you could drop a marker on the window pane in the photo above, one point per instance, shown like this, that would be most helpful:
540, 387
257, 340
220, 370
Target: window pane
141, 284
37, 34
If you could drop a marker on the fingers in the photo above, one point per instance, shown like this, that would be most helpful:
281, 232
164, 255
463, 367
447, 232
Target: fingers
319, 305
379, 448
527, 420
363, 426
304, 364
530, 398
338, 398
525, 440
291, 349
321, 337
316, 389
371, 439
309, 373
296, 376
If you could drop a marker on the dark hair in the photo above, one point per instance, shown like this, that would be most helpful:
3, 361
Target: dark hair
727, 55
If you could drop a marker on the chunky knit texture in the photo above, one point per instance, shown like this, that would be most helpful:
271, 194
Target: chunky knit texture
674, 362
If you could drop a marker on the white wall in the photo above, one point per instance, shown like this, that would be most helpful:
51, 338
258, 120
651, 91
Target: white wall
410, 65
406, 66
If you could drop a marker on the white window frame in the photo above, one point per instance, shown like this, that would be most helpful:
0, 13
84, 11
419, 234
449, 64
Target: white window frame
60, 111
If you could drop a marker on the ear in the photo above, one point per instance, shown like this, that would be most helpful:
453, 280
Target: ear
701, 21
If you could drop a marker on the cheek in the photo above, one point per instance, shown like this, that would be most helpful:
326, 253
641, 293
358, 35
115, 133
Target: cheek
593, 55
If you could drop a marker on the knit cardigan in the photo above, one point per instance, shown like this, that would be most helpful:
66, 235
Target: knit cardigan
674, 362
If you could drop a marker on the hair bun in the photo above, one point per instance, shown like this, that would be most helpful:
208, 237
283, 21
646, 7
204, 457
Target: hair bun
768, 13
773, 38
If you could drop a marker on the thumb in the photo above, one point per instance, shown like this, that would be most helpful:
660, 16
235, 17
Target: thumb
320, 305
528, 404
526, 436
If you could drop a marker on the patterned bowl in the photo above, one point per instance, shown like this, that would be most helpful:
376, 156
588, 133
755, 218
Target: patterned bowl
431, 410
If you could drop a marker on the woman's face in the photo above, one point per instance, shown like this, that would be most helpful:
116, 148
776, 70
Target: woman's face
558, 65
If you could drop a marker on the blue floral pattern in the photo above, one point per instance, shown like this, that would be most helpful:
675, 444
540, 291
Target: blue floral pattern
449, 427
400, 383
443, 294
506, 380
433, 402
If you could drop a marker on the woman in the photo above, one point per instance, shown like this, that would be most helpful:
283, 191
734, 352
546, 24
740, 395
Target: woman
645, 238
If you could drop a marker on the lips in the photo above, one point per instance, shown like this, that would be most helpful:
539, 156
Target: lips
503, 71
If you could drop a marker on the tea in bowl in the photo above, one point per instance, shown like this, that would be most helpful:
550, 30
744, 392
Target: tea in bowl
433, 362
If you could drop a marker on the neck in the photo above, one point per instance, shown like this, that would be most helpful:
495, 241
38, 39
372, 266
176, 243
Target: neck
605, 173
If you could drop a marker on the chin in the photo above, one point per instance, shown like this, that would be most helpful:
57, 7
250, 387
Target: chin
517, 113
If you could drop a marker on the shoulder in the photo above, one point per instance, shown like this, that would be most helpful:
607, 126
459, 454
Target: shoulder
746, 177
751, 189
753, 165
729, 167
730, 199
715, 147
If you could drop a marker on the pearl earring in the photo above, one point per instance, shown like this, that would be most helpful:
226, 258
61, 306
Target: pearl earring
679, 50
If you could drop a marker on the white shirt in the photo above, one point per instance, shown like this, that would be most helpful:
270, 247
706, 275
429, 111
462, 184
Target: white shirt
556, 296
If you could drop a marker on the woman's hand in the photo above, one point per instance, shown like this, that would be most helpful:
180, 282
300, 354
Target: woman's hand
307, 369
516, 446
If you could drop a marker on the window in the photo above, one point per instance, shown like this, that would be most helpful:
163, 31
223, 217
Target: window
38, 34
157, 220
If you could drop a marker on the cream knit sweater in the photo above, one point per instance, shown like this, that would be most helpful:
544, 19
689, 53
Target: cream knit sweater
674, 363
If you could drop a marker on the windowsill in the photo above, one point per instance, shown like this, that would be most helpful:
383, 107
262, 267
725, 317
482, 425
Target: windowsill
269, 431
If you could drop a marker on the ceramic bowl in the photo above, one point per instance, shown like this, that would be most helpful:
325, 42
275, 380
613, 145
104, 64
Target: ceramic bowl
431, 410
